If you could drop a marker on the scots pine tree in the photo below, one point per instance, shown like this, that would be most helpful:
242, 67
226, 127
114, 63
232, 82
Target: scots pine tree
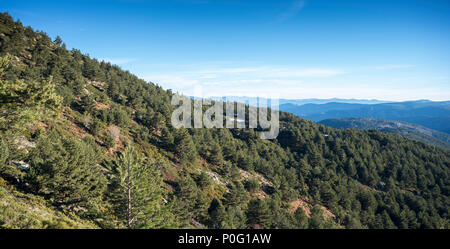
22, 102
65, 170
138, 199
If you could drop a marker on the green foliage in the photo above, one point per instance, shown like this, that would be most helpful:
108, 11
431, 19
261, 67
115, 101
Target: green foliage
15, 212
120, 117
235, 218
109, 141
237, 196
187, 193
23, 101
258, 214
65, 171
317, 221
87, 103
204, 180
184, 146
67, 95
138, 193
217, 214
301, 218
4, 154
252, 185
95, 127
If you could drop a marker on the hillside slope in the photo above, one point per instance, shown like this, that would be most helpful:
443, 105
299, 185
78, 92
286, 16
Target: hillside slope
82, 126
20, 211
402, 128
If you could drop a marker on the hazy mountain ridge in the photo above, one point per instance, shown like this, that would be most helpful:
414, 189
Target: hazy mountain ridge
433, 115
299, 102
413, 131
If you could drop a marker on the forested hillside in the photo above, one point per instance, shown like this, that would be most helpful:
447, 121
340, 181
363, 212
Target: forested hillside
92, 145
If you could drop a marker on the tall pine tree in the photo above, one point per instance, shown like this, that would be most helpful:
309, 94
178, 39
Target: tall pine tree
138, 193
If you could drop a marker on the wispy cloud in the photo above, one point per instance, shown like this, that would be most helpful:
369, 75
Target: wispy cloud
391, 66
294, 8
178, 80
229, 79
269, 72
118, 61
301, 72
294, 81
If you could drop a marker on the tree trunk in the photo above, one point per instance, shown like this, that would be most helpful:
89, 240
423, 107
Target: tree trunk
129, 214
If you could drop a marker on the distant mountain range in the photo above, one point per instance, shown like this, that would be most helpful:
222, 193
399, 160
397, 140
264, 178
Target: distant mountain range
303, 101
413, 131
433, 115
429, 114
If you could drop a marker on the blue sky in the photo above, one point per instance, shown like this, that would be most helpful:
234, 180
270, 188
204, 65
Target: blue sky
389, 50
